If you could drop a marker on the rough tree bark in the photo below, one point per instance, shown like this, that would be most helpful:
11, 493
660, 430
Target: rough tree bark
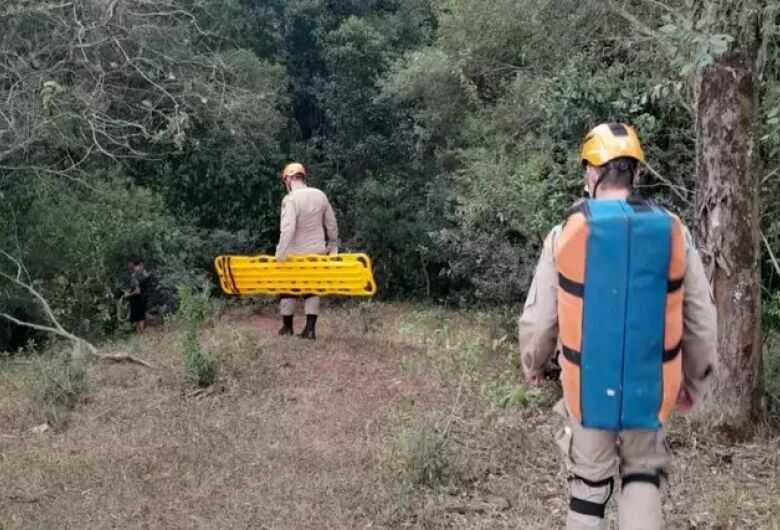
728, 203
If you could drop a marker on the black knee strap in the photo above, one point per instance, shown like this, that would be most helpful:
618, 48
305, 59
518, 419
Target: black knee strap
593, 509
647, 478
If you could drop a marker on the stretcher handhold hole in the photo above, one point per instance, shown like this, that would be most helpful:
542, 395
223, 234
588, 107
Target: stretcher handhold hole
362, 260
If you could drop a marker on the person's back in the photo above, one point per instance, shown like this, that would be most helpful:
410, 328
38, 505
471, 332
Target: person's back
311, 206
621, 289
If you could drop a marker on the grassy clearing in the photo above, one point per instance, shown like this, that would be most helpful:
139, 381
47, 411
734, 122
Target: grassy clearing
398, 417
498, 435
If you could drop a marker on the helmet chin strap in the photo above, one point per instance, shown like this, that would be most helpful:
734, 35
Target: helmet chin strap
598, 183
592, 194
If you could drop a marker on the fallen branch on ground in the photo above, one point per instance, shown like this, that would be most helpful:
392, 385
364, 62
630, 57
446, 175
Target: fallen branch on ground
21, 499
205, 392
122, 358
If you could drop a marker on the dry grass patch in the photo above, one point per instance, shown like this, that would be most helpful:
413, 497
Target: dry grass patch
286, 441
418, 421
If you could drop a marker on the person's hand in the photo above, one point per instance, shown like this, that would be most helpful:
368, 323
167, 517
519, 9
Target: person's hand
684, 401
534, 377
281, 259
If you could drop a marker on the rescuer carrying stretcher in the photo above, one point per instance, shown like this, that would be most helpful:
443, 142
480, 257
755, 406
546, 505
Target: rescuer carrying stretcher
620, 291
308, 226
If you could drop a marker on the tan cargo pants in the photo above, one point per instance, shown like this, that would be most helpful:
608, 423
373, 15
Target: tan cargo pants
311, 306
594, 457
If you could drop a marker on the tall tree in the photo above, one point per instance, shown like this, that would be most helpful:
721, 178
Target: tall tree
727, 197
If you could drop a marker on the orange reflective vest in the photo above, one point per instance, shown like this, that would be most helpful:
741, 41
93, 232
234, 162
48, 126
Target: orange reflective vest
620, 313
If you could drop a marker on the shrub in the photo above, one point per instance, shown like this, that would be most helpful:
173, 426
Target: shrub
60, 384
194, 308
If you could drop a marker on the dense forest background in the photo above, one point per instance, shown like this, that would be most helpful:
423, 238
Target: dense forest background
444, 131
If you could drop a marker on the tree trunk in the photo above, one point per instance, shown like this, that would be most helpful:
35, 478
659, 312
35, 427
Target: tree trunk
727, 203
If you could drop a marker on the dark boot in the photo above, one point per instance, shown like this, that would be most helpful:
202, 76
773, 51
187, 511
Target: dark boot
287, 328
308, 331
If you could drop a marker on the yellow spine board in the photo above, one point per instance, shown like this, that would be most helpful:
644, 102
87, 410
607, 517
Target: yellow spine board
344, 275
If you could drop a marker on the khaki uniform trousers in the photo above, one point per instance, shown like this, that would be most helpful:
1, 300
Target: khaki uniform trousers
593, 457
311, 306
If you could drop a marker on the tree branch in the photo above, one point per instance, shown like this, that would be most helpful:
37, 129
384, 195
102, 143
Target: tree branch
772, 256
664, 7
49, 329
638, 24
674, 187
55, 328
770, 175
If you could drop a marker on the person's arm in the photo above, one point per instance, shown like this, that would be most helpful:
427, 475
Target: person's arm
538, 325
287, 228
331, 229
135, 287
700, 329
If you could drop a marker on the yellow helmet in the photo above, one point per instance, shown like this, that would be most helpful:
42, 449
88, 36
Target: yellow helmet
609, 141
293, 169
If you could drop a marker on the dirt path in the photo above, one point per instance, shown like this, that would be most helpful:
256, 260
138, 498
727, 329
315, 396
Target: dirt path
288, 444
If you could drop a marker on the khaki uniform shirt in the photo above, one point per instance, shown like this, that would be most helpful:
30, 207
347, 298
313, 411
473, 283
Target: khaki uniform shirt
538, 325
308, 224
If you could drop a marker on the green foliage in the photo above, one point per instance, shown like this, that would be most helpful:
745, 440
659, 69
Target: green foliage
390, 225
501, 221
691, 44
499, 110
159, 138
194, 308
75, 242
474, 354
437, 96
226, 174
444, 131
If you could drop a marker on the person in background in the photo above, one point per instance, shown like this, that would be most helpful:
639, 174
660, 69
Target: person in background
136, 294
308, 226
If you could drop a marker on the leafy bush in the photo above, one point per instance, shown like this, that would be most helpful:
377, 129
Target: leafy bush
194, 308
75, 243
